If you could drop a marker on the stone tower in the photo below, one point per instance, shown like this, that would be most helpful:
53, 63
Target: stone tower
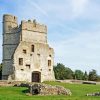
10, 42
26, 53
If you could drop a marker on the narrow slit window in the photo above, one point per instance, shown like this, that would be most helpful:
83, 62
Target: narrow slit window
49, 62
32, 48
20, 61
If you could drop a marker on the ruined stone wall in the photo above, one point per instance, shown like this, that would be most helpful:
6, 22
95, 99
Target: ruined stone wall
33, 26
34, 31
30, 36
18, 39
38, 61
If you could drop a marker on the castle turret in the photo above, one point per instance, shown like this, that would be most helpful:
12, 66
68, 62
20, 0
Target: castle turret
10, 41
9, 23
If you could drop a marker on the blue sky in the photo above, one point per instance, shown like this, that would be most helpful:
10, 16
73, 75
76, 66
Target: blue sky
73, 28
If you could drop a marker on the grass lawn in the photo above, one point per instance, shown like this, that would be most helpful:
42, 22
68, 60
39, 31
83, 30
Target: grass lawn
78, 93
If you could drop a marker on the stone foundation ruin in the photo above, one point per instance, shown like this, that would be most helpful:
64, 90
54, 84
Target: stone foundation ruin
44, 89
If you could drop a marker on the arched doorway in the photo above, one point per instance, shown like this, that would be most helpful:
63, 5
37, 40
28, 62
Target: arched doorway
36, 76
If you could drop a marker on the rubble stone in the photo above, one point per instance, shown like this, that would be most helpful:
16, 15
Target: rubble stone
44, 89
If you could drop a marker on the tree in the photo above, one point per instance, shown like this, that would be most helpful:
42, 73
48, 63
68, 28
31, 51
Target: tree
59, 71
85, 76
62, 72
78, 74
93, 75
68, 73
98, 78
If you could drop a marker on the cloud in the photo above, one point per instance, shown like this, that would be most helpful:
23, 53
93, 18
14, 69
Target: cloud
80, 51
78, 6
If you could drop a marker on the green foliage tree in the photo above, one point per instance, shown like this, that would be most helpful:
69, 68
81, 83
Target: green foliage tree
85, 76
93, 75
78, 74
98, 78
68, 73
59, 71
62, 72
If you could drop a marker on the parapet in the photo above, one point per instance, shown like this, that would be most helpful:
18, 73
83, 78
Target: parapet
9, 18
11, 25
33, 26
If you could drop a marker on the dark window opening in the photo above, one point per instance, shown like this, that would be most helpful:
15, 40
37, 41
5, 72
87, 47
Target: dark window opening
30, 54
49, 62
49, 69
20, 61
32, 48
24, 51
38, 54
28, 65
22, 69
49, 55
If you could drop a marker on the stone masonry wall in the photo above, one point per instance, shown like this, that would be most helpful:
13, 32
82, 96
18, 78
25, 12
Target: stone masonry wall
20, 38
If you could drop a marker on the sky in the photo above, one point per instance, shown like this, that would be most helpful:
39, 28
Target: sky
73, 28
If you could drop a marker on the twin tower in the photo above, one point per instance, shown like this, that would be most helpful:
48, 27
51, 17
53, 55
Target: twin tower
26, 53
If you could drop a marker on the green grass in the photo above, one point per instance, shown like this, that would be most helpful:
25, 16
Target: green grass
78, 92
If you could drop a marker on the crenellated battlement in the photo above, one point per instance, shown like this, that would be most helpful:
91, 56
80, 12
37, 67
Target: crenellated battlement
11, 25
33, 26
26, 30
9, 18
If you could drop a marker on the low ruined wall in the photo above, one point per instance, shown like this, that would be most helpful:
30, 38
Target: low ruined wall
45, 89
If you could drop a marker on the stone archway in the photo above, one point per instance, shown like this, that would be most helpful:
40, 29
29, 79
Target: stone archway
36, 76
